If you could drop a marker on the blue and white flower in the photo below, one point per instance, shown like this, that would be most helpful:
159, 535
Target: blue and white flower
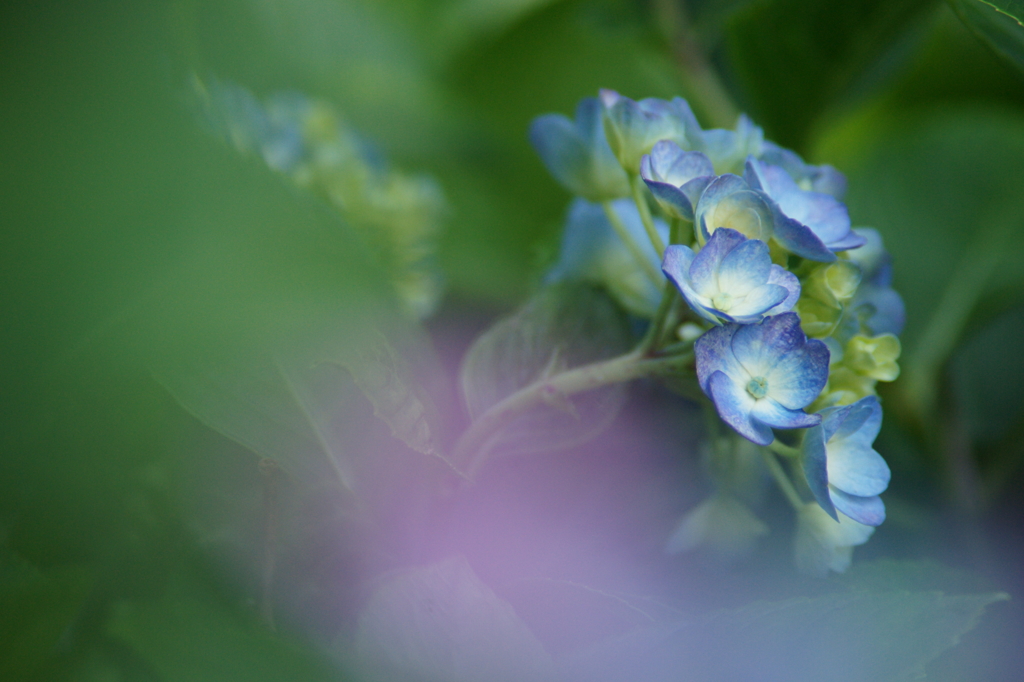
634, 127
824, 178
676, 177
762, 375
876, 308
729, 149
577, 153
822, 545
843, 471
730, 202
808, 223
592, 251
732, 279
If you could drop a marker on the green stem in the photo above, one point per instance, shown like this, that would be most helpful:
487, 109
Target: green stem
473, 444
783, 449
634, 249
702, 83
645, 215
657, 327
782, 479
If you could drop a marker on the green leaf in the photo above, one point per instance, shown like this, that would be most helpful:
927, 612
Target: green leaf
998, 23
564, 326
189, 636
36, 608
277, 410
859, 636
441, 623
987, 378
943, 192
795, 58
387, 381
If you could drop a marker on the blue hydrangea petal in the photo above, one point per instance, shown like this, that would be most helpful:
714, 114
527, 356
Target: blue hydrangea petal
813, 460
786, 279
824, 178
798, 376
713, 352
677, 266
825, 215
633, 128
756, 301
867, 510
801, 240
734, 404
745, 267
577, 153
670, 163
850, 241
705, 268
770, 412
885, 312
563, 151
758, 347
729, 202
857, 470
673, 199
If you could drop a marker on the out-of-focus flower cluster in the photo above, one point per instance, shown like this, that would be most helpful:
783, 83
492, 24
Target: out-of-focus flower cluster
305, 139
796, 316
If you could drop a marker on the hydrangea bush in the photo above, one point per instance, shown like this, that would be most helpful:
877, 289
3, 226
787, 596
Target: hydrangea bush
766, 298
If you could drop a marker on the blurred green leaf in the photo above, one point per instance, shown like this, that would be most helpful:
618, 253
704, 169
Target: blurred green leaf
987, 378
859, 636
188, 635
795, 58
943, 190
564, 326
36, 608
998, 23
409, 412
440, 623
270, 409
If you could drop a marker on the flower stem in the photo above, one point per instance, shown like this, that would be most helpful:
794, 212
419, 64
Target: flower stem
783, 449
645, 215
782, 479
472, 447
656, 329
634, 249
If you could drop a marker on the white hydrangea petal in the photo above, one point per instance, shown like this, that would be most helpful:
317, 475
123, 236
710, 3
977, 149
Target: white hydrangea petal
857, 470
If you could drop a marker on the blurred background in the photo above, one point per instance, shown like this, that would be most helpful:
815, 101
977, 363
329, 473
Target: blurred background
180, 500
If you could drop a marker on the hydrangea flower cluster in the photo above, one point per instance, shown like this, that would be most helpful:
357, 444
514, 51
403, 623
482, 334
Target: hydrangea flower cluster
306, 140
795, 315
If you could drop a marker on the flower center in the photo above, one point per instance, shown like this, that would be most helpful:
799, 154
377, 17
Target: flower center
722, 301
758, 387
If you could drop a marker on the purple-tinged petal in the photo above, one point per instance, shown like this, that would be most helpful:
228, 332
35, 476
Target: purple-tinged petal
790, 283
814, 463
867, 510
801, 240
824, 214
713, 352
758, 347
750, 309
734, 406
670, 163
852, 240
798, 377
770, 412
